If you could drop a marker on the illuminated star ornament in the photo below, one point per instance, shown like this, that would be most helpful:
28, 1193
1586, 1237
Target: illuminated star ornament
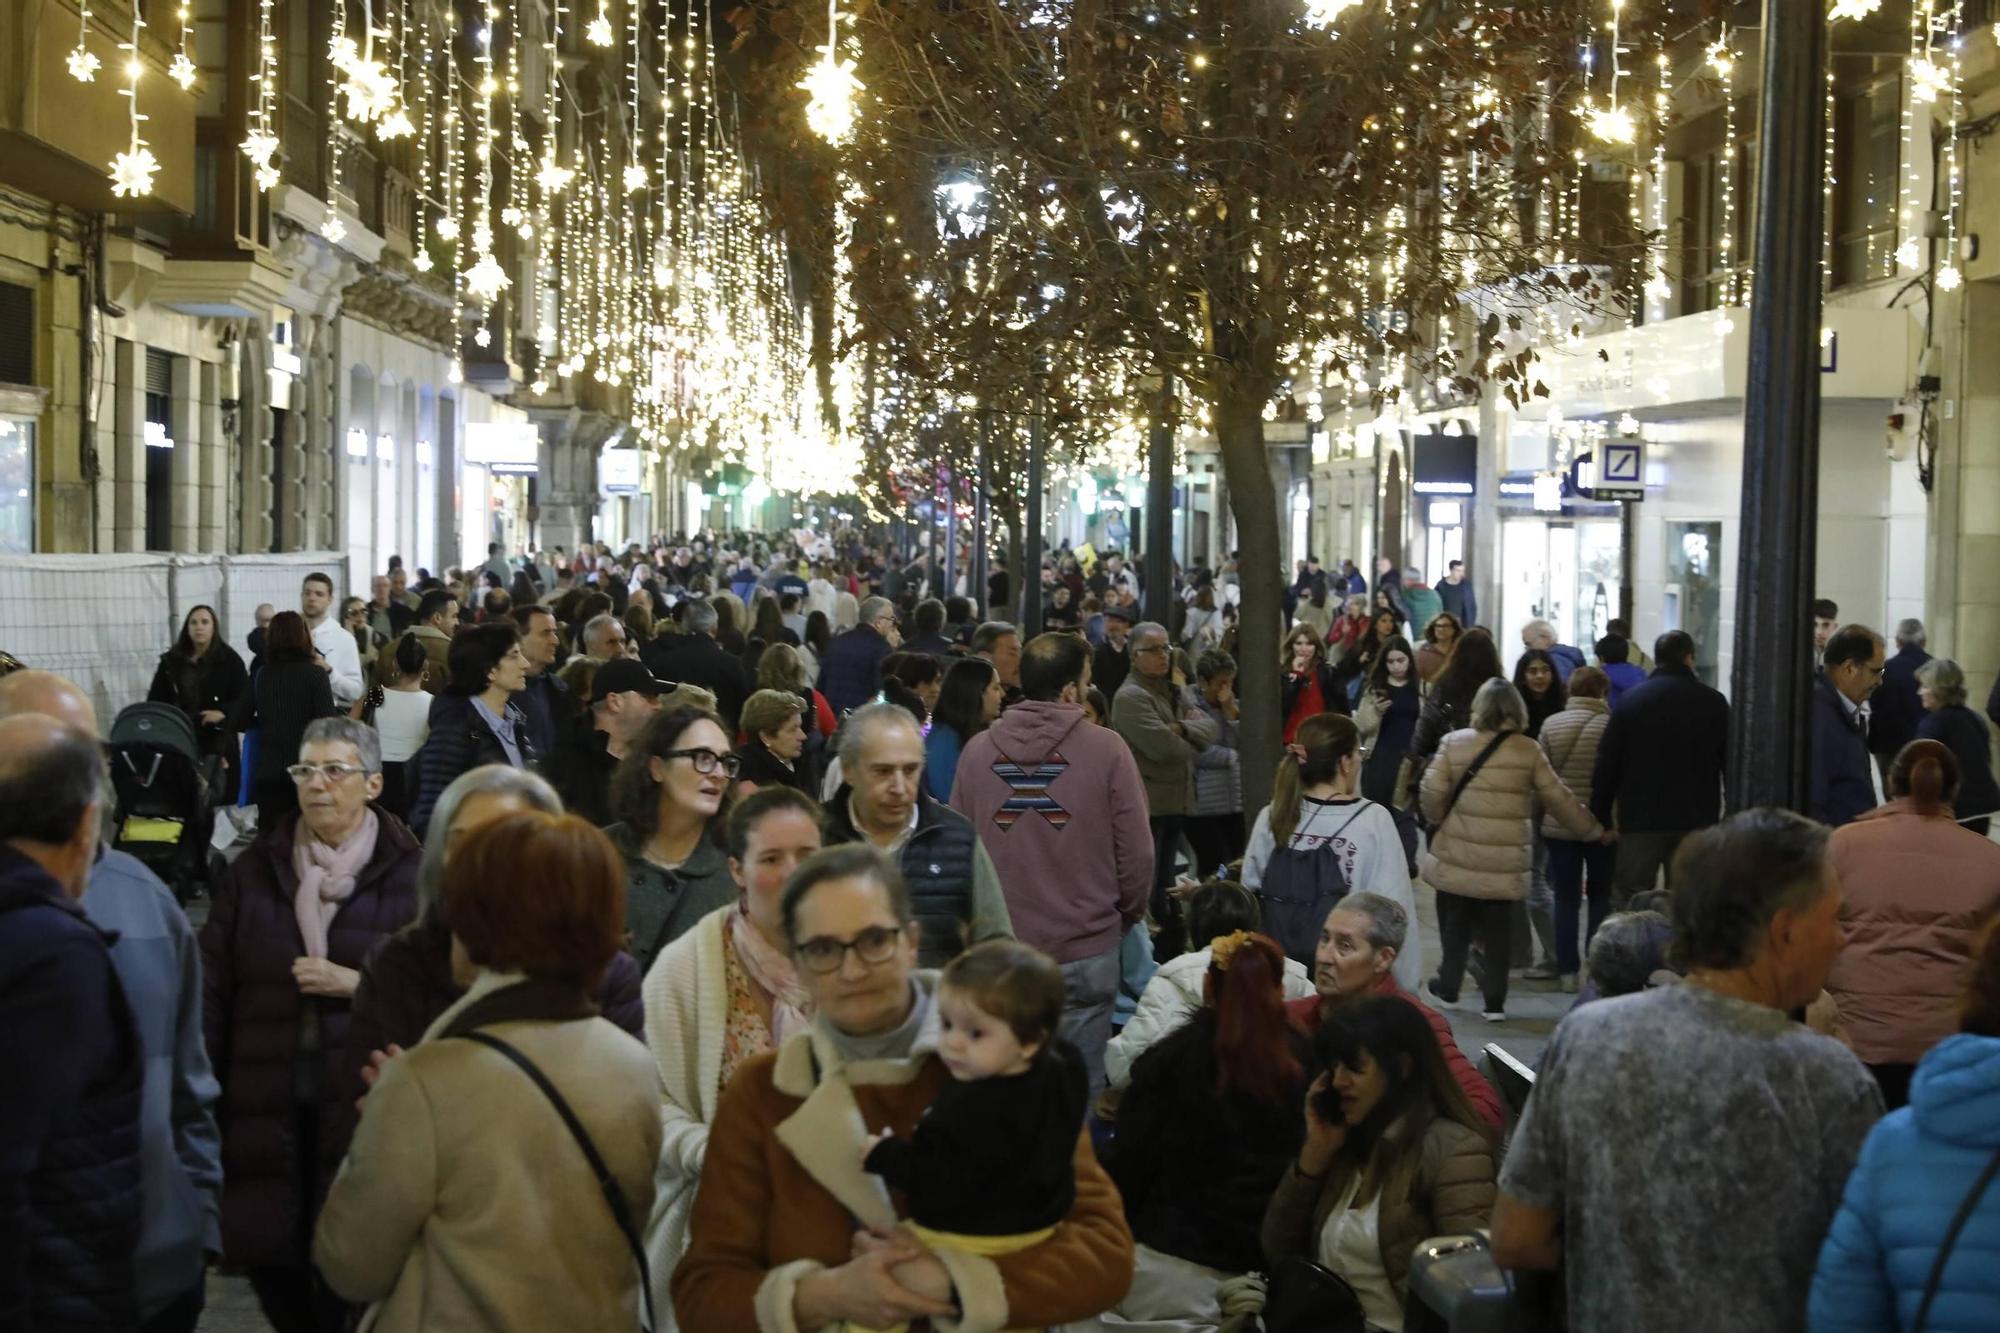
1853, 9
486, 279
1323, 13
830, 86
83, 63
1612, 123
132, 171
598, 33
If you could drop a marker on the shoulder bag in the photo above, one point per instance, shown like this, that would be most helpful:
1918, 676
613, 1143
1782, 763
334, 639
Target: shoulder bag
1465, 778
621, 1211
1965, 1209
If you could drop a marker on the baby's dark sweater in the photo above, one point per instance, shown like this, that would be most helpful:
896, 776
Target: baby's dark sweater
993, 1157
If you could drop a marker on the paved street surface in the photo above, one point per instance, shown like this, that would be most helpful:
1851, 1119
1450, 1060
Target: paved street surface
1532, 1011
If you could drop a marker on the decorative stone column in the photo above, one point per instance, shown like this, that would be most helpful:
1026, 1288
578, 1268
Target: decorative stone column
125, 456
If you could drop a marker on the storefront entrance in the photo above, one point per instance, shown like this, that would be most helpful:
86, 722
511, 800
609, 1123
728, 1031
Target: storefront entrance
1564, 571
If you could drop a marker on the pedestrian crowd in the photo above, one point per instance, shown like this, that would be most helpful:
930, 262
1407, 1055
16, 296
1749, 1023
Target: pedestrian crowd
745, 934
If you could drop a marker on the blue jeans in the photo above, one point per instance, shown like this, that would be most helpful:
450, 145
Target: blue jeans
1571, 866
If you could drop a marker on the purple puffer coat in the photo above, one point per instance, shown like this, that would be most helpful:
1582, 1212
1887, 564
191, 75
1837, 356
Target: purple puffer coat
271, 1044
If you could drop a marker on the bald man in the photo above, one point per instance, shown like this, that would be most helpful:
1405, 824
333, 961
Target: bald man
159, 966
69, 1119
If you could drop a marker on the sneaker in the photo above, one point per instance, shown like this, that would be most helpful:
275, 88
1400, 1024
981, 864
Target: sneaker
1444, 1001
1494, 1015
1569, 983
1540, 972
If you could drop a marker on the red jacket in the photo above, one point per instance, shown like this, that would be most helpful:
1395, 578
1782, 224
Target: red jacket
1305, 1016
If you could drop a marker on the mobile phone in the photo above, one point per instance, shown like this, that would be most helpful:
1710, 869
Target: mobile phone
1326, 1105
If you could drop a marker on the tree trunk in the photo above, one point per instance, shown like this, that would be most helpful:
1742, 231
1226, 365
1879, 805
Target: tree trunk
1239, 430
1008, 507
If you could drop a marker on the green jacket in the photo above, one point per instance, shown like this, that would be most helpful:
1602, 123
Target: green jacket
1424, 606
660, 904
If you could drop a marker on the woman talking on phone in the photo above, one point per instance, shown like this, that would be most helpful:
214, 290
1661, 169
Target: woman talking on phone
1393, 1155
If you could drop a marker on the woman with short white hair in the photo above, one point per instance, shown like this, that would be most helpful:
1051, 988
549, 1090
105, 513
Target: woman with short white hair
1480, 795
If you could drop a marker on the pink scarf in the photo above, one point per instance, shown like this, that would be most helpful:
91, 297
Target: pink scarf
326, 877
791, 1007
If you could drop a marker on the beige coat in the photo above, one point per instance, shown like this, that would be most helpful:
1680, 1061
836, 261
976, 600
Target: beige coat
1484, 848
1570, 740
465, 1204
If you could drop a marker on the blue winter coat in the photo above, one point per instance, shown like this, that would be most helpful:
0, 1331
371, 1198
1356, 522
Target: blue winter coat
1913, 1175
850, 670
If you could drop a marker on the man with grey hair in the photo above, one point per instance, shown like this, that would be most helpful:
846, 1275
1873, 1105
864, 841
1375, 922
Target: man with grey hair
1638, 1125
850, 671
698, 659
159, 967
70, 1148
604, 638
1166, 732
954, 888
1895, 710
1358, 947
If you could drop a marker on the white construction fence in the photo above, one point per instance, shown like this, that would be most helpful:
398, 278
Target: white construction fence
104, 620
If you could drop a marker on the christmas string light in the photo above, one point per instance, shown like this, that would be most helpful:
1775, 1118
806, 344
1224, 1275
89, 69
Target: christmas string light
487, 277
1722, 59
1613, 122
1909, 255
132, 171
332, 228
182, 70
83, 62
1949, 278
831, 87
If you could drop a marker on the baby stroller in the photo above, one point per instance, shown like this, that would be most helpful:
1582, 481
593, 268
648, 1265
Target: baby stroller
167, 790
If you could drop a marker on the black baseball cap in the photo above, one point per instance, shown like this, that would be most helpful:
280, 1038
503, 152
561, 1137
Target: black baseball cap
622, 675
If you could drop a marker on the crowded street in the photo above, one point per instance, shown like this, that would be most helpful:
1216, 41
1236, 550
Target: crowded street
815, 666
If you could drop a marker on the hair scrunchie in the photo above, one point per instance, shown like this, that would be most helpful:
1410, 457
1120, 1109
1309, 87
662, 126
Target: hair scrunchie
1222, 949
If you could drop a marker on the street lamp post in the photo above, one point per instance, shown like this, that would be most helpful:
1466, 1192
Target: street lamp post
1773, 671
1160, 510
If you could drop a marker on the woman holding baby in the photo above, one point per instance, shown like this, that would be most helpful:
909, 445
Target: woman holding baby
791, 1162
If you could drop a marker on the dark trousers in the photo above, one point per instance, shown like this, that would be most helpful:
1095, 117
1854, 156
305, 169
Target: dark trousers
294, 1300
1171, 942
1577, 869
181, 1314
1216, 839
1491, 922
1894, 1081
1642, 855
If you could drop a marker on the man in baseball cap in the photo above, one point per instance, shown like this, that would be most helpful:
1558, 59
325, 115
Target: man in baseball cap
624, 696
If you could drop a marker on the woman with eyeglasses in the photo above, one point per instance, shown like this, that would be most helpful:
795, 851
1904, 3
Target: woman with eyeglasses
772, 1235
723, 993
290, 690
292, 922
672, 793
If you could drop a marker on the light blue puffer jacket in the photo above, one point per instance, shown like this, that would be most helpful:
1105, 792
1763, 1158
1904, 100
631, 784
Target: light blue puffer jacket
1914, 1173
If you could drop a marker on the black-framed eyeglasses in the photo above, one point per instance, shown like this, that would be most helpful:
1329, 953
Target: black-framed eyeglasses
875, 945
707, 761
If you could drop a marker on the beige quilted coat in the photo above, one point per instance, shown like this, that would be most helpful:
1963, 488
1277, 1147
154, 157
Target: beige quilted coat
1485, 846
1570, 740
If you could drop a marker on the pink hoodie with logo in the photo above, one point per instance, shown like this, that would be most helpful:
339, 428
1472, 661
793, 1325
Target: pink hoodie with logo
1062, 811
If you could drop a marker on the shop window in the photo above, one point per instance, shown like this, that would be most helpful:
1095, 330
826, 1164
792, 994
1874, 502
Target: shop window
1867, 136
17, 485
1693, 595
1722, 197
17, 334
159, 451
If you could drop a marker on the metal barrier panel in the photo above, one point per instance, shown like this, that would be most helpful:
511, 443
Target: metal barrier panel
250, 580
101, 621
197, 581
